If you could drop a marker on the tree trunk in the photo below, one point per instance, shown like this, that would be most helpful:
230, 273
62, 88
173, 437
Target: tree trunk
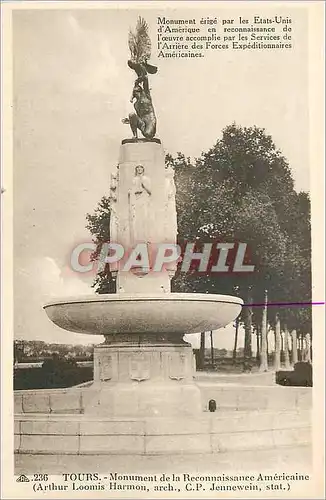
263, 346
304, 347
277, 354
212, 349
258, 345
294, 347
308, 349
237, 321
247, 328
286, 348
300, 339
202, 351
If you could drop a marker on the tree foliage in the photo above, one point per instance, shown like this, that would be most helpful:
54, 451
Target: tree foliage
98, 224
241, 190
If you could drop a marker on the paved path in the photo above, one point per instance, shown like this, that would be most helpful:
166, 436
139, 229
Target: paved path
283, 459
254, 379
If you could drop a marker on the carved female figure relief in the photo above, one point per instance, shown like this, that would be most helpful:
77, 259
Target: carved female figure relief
140, 207
170, 215
170, 208
113, 211
114, 220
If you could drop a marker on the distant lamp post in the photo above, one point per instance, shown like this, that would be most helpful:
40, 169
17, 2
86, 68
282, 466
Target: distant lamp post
237, 321
236, 289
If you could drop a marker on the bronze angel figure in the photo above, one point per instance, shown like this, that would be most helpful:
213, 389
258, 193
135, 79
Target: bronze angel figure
140, 49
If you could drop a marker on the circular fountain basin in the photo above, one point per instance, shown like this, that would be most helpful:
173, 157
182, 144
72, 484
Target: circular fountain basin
181, 313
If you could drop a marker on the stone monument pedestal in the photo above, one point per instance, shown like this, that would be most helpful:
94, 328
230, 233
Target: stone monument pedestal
144, 375
144, 368
142, 213
140, 371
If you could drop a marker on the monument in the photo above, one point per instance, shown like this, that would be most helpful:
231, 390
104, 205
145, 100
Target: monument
143, 399
144, 367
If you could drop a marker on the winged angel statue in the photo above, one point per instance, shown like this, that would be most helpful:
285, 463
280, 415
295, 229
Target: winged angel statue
140, 49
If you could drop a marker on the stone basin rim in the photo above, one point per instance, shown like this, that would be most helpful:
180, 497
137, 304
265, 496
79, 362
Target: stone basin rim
121, 297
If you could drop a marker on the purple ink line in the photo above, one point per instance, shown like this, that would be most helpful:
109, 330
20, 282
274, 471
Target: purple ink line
281, 304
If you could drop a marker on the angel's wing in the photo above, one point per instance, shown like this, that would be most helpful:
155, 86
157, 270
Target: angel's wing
139, 42
132, 46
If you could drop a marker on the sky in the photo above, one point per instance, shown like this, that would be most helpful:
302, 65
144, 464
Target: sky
72, 88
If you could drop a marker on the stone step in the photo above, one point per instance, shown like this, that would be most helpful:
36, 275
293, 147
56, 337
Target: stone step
289, 459
210, 433
227, 397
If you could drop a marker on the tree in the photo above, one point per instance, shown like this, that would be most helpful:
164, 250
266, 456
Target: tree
264, 329
99, 226
277, 354
235, 191
202, 350
234, 353
241, 190
59, 372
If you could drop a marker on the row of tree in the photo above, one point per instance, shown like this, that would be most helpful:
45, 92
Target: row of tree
293, 348
38, 350
241, 190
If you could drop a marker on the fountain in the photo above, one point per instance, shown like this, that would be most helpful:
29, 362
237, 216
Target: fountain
144, 367
144, 399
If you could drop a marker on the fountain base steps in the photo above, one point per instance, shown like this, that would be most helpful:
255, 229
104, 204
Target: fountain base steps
209, 433
231, 397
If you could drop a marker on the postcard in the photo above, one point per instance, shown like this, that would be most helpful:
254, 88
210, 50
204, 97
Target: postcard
162, 249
